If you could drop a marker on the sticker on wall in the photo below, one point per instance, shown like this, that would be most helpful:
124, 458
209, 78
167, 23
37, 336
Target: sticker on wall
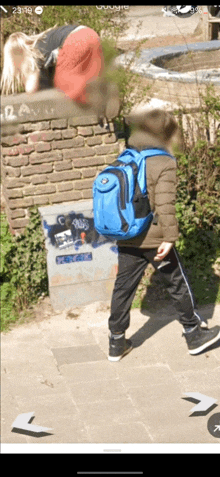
64, 239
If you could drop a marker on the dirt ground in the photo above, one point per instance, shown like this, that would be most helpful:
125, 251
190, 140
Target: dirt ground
169, 40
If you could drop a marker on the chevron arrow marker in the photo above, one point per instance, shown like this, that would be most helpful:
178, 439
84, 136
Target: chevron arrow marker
205, 402
22, 423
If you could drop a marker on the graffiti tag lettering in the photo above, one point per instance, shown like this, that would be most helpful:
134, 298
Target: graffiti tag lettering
76, 257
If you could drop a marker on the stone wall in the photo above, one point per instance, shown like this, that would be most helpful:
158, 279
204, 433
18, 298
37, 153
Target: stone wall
180, 94
51, 153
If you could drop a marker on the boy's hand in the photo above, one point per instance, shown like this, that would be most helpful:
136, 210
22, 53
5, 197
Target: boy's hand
163, 250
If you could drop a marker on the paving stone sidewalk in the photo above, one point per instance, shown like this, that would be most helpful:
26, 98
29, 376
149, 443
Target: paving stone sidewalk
58, 369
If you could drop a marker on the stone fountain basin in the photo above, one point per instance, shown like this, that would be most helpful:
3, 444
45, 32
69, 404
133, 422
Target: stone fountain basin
155, 63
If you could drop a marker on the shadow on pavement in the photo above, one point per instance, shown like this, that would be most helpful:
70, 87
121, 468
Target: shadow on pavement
158, 307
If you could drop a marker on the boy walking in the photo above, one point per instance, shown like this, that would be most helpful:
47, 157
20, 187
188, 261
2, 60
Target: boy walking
155, 130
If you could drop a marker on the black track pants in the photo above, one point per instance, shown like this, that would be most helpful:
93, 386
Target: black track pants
132, 263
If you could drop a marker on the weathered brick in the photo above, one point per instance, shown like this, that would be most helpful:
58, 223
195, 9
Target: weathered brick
110, 138
30, 127
12, 171
82, 121
59, 123
42, 147
42, 169
9, 129
14, 193
94, 140
66, 196
25, 148
41, 200
37, 158
40, 190
98, 129
42, 179
13, 140
29, 190
84, 184
18, 161
89, 161
18, 213
10, 151
15, 183
68, 143
85, 131
63, 166
69, 133
18, 223
89, 172
5, 160
111, 158
87, 194
64, 176
65, 186
45, 189
20, 203
51, 135
34, 137
81, 152
44, 136
111, 149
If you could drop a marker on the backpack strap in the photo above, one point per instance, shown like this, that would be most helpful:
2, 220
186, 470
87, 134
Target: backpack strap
149, 152
155, 152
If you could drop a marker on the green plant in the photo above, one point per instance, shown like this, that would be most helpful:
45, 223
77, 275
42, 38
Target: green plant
198, 199
23, 268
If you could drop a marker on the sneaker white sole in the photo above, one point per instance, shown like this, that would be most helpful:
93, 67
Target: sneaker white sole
205, 345
117, 358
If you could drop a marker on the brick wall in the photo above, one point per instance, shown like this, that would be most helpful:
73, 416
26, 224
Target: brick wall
48, 159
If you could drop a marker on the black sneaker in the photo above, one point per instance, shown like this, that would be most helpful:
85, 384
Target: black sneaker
199, 338
118, 347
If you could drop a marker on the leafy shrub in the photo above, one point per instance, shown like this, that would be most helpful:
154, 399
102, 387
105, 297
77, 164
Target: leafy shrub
23, 268
198, 200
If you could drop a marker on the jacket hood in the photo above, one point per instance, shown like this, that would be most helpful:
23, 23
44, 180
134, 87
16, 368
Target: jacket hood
142, 140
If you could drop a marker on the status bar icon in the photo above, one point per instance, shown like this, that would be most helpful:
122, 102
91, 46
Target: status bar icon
38, 10
4, 9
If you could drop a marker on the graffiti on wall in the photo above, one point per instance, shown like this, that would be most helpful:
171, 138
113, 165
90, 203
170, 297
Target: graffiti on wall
76, 257
75, 230
12, 112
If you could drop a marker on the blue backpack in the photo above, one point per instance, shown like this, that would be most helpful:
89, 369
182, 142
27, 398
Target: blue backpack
120, 201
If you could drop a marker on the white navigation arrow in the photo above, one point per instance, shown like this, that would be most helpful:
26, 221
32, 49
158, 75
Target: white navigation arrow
205, 402
22, 423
